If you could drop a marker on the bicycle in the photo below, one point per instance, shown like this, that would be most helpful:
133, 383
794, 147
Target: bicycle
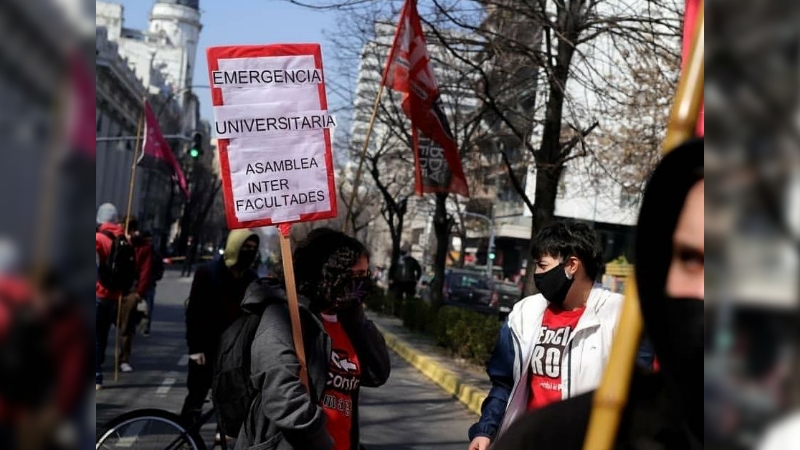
155, 429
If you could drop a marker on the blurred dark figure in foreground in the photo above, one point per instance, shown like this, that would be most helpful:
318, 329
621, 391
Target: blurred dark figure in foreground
44, 363
217, 290
664, 409
190, 257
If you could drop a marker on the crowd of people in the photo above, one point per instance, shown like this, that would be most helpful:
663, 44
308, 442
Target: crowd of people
549, 358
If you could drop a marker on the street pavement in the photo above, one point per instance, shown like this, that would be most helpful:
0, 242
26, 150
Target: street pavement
408, 413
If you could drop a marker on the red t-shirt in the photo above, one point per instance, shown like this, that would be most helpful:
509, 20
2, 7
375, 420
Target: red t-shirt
344, 377
545, 375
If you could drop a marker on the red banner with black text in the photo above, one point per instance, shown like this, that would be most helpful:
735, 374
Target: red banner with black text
409, 70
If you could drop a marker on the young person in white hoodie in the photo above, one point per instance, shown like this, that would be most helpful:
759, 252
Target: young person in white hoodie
555, 344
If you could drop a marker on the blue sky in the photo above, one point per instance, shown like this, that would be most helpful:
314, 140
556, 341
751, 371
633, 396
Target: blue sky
227, 22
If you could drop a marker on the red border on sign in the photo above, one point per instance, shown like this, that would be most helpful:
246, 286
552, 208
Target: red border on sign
214, 54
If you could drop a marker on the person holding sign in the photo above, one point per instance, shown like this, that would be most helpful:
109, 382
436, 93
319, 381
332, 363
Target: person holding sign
343, 349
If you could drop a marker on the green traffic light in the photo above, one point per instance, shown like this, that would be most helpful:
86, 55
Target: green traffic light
491, 256
194, 153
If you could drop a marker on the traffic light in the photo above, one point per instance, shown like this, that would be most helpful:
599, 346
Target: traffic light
491, 256
197, 146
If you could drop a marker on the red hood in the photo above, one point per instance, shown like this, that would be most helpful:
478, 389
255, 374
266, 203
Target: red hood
115, 229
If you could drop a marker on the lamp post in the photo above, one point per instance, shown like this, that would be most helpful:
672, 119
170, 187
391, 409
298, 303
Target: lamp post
490, 250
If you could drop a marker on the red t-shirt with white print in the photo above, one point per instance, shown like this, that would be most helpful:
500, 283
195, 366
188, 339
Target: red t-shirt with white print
344, 378
545, 375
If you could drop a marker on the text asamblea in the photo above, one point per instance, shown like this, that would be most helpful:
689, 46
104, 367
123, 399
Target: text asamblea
264, 124
281, 165
276, 76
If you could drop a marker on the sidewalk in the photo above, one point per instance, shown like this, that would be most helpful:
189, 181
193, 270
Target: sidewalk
464, 381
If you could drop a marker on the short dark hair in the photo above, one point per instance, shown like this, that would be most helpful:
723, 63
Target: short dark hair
567, 238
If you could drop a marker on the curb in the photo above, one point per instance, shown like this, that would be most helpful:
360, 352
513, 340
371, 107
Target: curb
467, 394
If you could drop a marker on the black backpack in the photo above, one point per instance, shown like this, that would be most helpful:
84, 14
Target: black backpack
118, 271
231, 389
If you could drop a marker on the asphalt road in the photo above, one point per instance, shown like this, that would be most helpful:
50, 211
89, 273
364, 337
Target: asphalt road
408, 413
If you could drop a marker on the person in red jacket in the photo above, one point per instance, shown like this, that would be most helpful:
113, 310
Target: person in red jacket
106, 299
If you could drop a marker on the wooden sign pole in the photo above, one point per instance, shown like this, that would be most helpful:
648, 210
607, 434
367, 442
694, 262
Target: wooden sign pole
294, 306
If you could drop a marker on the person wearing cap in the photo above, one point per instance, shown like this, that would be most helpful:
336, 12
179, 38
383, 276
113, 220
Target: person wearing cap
664, 409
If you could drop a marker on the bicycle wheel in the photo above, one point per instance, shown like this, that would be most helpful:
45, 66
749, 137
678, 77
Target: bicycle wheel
148, 429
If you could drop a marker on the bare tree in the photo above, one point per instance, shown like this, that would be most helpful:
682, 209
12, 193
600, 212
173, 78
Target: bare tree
545, 74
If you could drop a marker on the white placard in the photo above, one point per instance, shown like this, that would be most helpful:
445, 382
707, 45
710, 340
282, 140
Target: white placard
272, 117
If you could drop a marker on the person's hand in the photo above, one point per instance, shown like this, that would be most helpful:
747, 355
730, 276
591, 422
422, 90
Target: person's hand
198, 358
133, 297
480, 443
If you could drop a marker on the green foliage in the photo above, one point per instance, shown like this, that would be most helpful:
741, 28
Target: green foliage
466, 333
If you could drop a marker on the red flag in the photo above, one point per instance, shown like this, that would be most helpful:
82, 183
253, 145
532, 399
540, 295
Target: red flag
156, 153
689, 22
409, 70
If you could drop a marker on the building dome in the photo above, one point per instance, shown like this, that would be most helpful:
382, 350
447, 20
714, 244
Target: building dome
194, 4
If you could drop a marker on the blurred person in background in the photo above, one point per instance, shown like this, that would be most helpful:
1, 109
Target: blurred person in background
156, 274
144, 283
555, 344
189, 257
214, 304
664, 409
404, 277
344, 350
116, 264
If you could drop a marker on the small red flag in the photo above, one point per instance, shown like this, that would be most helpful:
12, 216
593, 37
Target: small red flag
409, 70
689, 22
156, 152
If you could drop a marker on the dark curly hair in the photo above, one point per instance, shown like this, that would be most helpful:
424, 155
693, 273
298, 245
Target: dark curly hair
567, 238
322, 264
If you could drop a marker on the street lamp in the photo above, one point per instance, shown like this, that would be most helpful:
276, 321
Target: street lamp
490, 255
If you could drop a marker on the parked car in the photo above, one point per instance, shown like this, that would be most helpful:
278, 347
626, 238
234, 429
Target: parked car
469, 289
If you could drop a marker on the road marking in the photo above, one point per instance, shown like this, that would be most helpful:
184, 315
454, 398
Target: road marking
433, 407
131, 434
167, 384
184, 361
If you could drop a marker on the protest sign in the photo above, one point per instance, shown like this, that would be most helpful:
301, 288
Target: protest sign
274, 133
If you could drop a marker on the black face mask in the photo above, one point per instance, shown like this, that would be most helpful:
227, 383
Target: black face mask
246, 258
681, 353
554, 284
